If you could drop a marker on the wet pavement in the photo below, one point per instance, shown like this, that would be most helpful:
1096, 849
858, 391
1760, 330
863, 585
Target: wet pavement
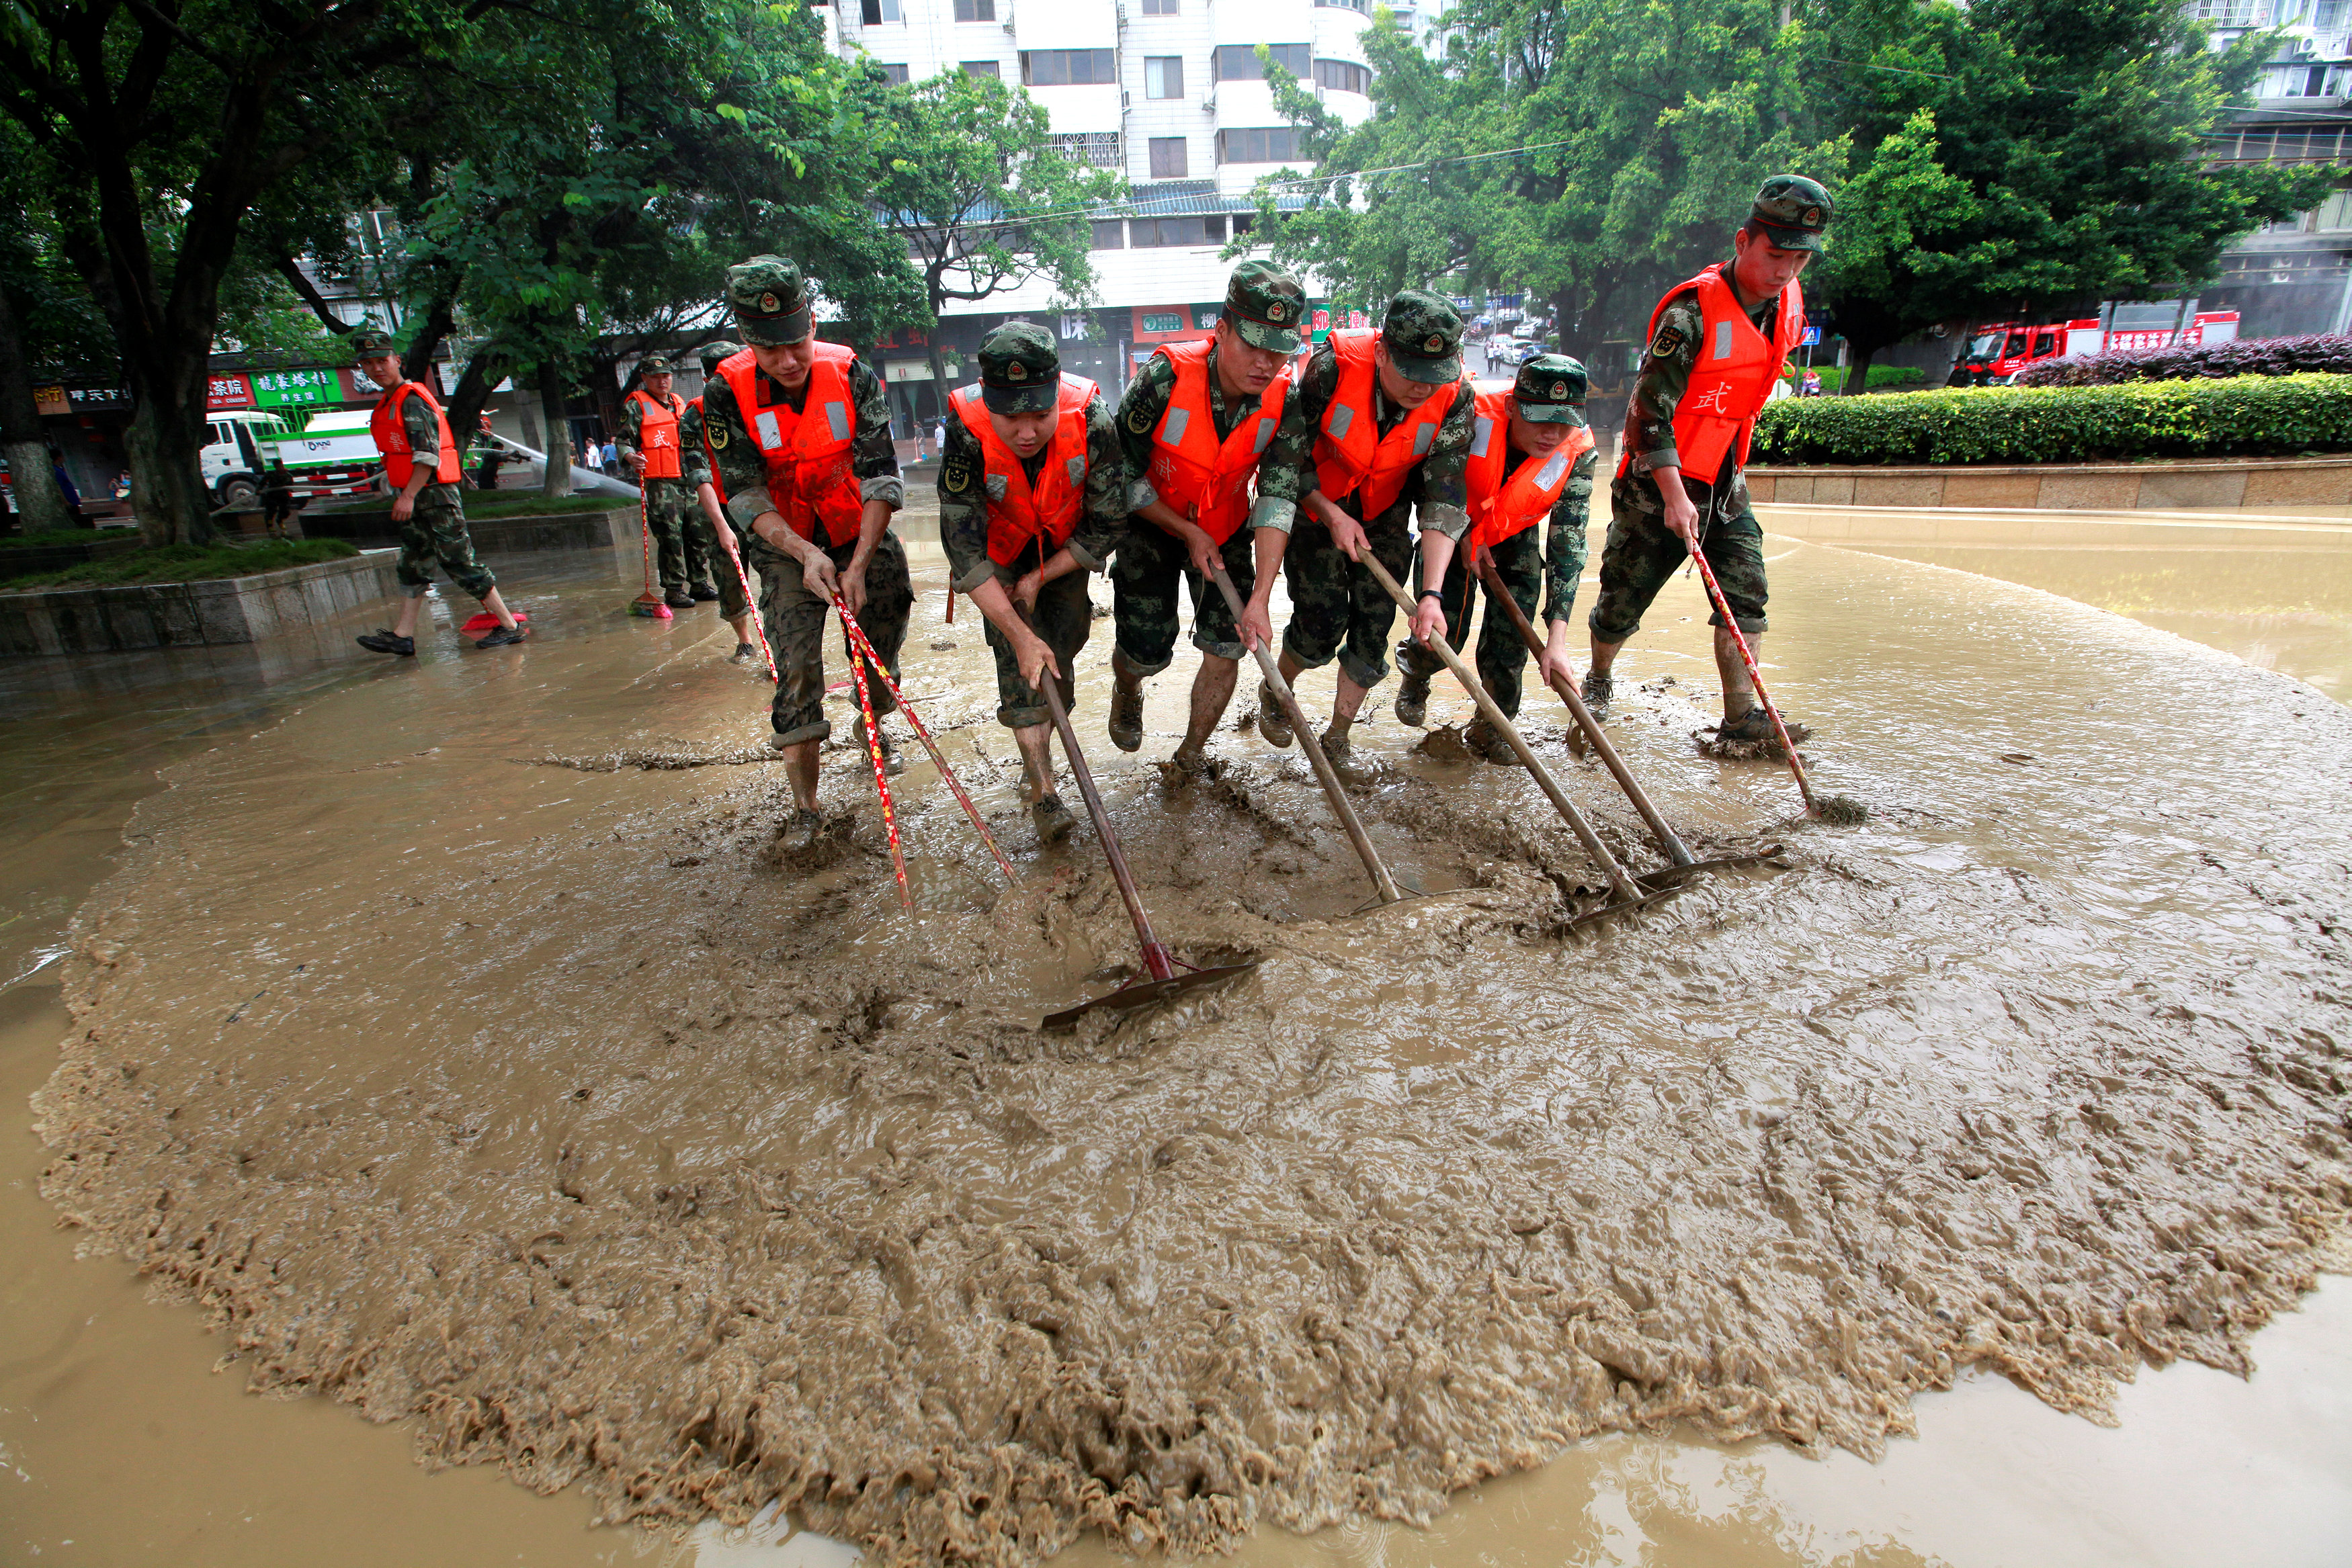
356, 885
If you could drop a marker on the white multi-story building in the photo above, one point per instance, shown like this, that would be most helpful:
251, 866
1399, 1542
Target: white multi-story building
2294, 275
1171, 92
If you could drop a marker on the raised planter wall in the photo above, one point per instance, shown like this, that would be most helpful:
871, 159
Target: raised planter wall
373, 527
2077, 486
192, 614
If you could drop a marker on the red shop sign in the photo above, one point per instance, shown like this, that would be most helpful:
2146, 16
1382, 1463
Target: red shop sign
228, 392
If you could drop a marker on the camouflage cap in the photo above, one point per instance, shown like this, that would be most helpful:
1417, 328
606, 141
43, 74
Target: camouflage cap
1020, 370
1266, 306
1793, 211
710, 354
1551, 389
655, 365
369, 342
770, 300
1423, 337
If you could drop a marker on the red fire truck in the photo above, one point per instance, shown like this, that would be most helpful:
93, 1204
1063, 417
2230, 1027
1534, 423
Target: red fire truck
1998, 350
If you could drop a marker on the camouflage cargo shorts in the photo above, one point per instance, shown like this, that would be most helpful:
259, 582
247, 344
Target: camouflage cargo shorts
1143, 578
1643, 554
1336, 608
1064, 618
795, 621
436, 532
1501, 653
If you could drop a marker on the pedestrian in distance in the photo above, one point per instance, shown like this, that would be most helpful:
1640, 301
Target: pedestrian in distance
798, 435
609, 457
1716, 345
1194, 424
1033, 497
1376, 435
710, 502
421, 464
667, 474
1532, 461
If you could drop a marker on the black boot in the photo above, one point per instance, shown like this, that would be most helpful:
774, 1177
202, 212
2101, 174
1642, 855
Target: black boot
1413, 699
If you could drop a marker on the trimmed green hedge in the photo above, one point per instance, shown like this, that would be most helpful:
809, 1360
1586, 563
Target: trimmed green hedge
2245, 416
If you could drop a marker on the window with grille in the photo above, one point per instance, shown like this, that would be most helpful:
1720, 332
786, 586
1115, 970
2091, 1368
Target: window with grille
1168, 159
1109, 233
1163, 76
1343, 76
2225, 13
1159, 7
1094, 148
1144, 232
890, 72
1238, 62
2327, 15
975, 10
2334, 215
874, 13
1066, 68
989, 68
1274, 144
1340, 5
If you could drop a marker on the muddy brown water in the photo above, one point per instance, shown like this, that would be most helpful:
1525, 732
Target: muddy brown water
468, 1071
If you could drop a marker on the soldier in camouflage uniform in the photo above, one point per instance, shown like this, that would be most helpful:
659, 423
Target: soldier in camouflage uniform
413, 435
772, 494
1546, 414
1072, 484
1335, 607
1177, 500
1656, 509
681, 544
734, 603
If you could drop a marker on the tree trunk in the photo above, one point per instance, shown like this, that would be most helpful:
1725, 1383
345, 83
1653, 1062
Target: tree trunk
40, 504
1857, 369
558, 482
166, 451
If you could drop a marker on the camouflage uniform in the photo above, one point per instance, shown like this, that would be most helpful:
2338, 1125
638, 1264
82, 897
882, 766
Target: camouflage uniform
1264, 305
732, 601
435, 528
770, 300
1502, 655
1062, 617
682, 541
1642, 552
1335, 607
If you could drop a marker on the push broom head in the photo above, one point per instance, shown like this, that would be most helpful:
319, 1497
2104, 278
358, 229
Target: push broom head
649, 606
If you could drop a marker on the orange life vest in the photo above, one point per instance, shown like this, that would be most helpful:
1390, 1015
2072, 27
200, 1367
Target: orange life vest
1205, 481
1500, 507
657, 434
391, 437
1733, 379
806, 450
1351, 452
1049, 511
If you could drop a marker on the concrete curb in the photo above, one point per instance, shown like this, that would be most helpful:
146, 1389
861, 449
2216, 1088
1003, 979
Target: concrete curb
2067, 487
192, 614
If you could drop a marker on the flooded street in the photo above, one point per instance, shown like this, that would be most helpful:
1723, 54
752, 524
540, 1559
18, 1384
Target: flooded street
454, 1035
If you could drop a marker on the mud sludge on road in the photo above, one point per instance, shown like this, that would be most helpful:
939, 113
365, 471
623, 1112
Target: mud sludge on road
625, 1158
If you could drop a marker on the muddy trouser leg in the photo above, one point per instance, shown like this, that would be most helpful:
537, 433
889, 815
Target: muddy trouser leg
1640, 556
794, 619
666, 520
1064, 618
889, 600
1502, 656
1460, 595
1214, 632
703, 558
1371, 613
1143, 577
1315, 573
1734, 545
436, 530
